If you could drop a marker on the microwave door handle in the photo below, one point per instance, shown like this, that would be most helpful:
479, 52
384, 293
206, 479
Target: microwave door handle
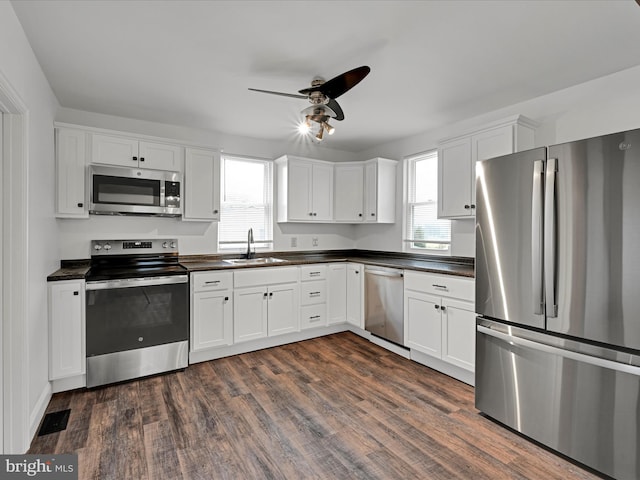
550, 238
537, 204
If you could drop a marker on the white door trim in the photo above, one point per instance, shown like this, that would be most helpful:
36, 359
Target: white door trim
14, 244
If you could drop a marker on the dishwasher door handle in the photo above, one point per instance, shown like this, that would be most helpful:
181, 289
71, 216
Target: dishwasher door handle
382, 273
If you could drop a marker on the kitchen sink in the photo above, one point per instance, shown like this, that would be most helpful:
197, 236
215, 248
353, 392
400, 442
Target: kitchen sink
253, 261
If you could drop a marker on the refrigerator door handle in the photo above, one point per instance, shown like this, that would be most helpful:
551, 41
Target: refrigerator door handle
550, 238
543, 347
537, 204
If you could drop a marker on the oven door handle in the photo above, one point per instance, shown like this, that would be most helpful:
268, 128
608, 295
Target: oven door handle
136, 282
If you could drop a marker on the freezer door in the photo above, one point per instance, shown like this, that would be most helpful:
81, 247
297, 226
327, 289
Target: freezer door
509, 209
592, 284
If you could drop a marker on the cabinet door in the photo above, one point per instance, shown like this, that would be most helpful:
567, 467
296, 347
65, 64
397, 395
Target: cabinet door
489, 144
110, 150
71, 156
349, 193
322, 187
459, 333
201, 185
337, 294
212, 320
423, 322
455, 178
355, 299
371, 192
249, 314
160, 156
283, 309
66, 329
300, 184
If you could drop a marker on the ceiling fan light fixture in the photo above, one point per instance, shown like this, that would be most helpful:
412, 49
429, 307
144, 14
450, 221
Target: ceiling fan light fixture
330, 130
319, 135
305, 126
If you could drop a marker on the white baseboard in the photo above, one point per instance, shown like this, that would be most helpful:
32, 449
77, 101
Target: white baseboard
454, 371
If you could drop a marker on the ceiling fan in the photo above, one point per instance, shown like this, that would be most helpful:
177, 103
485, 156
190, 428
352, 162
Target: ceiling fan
322, 96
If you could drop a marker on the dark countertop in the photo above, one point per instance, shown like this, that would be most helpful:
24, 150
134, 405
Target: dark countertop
458, 266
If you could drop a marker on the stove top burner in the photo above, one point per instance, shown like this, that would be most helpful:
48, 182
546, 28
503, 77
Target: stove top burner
118, 259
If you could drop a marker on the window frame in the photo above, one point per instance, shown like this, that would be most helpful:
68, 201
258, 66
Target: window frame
409, 169
240, 245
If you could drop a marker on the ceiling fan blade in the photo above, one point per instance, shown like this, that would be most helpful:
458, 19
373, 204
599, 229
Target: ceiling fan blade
333, 105
293, 95
342, 83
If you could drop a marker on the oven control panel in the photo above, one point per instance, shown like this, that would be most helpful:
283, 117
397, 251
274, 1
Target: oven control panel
131, 247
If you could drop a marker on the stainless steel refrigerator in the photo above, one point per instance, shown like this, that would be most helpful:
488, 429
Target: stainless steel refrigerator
558, 298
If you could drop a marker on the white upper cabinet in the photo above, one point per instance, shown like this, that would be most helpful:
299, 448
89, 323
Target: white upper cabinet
457, 158
348, 200
130, 152
305, 190
71, 156
201, 185
380, 190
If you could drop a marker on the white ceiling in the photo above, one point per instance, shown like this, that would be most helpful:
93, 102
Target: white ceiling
432, 62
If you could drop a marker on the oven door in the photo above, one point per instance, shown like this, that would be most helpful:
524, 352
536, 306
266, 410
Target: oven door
132, 313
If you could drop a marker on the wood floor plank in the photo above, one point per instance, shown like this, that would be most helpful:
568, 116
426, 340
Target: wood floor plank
334, 407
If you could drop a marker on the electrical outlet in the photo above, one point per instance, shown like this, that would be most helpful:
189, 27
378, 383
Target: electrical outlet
314, 241
294, 242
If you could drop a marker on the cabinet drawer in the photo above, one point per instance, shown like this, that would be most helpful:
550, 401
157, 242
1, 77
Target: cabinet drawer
210, 281
313, 272
313, 316
265, 276
312, 293
442, 285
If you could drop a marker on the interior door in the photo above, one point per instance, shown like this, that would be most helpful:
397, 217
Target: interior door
508, 238
597, 236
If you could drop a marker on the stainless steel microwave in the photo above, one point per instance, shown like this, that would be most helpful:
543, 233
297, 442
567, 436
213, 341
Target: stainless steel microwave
134, 191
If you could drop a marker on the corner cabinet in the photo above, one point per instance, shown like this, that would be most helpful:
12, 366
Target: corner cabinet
457, 159
305, 190
66, 328
365, 192
201, 185
71, 159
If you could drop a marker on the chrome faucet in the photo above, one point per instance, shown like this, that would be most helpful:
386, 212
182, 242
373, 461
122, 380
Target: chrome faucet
249, 242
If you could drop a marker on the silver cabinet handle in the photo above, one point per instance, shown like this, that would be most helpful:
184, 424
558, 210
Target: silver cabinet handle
440, 287
212, 282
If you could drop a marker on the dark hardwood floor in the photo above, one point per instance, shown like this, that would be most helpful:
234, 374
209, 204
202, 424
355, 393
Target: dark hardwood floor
332, 407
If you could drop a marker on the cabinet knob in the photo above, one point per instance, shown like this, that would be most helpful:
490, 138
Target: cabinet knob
80, 205
373, 214
76, 293
142, 159
226, 299
437, 307
135, 159
215, 211
315, 214
443, 308
270, 294
311, 214
473, 205
265, 295
359, 214
467, 207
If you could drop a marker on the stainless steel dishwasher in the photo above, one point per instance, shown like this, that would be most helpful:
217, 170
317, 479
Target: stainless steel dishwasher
383, 303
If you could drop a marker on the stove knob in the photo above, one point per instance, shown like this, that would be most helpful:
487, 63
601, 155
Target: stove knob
173, 245
107, 246
164, 245
97, 247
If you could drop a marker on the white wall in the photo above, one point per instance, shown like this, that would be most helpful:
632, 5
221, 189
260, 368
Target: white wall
605, 105
195, 237
20, 68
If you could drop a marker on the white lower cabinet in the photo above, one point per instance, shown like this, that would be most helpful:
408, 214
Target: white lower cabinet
355, 294
313, 296
440, 317
66, 329
336, 293
265, 302
211, 310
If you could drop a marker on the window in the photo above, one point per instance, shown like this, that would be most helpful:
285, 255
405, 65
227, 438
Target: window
424, 231
247, 202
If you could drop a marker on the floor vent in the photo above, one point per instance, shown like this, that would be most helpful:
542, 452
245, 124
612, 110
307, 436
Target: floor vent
54, 422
